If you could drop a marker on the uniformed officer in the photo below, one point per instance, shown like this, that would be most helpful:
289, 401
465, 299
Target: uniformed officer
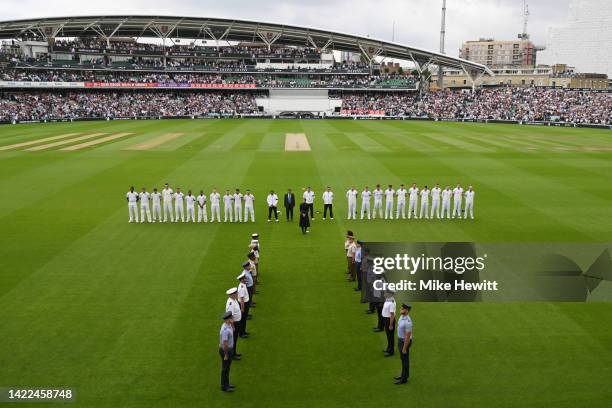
404, 341
232, 305
388, 314
255, 241
253, 265
357, 265
226, 350
250, 282
244, 299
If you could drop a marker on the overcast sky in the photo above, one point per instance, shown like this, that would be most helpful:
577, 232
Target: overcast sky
417, 22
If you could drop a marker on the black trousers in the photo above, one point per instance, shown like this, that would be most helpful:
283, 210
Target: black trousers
236, 333
390, 332
405, 358
381, 320
289, 212
358, 272
311, 209
225, 367
245, 313
272, 210
325, 208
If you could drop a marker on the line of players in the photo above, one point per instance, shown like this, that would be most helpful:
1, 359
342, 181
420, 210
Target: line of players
151, 204
174, 203
440, 202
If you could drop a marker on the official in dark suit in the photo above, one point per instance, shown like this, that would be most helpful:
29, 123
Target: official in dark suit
289, 204
304, 218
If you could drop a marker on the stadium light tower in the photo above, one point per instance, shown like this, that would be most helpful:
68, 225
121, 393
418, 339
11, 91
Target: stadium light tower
442, 38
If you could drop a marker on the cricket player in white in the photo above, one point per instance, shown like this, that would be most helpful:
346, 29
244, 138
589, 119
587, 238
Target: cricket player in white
457, 196
401, 202
446, 199
412, 204
157, 212
249, 198
469, 203
435, 201
351, 196
237, 206
215, 197
389, 194
191, 200
237, 196
309, 196
202, 215
227, 206
167, 195
365, 202
178, 205
424, 203
132, 199
378, 195
144, 205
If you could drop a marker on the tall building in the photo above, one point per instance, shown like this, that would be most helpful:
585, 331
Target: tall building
584, 41
497, 54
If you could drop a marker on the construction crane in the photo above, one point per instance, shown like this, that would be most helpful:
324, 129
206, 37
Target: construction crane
524, 35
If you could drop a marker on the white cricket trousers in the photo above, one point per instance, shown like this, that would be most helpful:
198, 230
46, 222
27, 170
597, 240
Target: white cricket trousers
365, 208
215, 210
227, 213
248, 209
133, 212
352, 210
377, 206
157, 213
191, 213
389, 209
238, 213
202, 216
168, 210
179, 211
446, 208
145, 209
457, 208
469, 206
401, 207
412, 208
424, 209
435, 208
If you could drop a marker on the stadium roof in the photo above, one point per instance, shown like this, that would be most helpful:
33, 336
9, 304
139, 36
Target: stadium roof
221, 29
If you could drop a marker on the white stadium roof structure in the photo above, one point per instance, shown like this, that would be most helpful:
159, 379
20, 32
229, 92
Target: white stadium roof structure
222, 29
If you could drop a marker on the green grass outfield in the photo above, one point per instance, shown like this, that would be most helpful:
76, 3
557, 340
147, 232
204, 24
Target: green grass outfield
128, 315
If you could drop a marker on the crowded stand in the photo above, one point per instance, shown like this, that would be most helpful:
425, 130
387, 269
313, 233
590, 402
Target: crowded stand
261, 80
77, 105
132, 47
77, 78
513, 104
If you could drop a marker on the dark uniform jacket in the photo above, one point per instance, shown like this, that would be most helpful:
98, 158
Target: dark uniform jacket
287, 203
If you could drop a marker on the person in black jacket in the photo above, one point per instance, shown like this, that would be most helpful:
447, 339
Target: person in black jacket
304, 218
289, 201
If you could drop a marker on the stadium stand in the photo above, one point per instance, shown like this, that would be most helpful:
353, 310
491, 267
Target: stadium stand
89, 75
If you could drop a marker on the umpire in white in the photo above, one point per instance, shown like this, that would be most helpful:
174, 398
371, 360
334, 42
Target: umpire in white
404, 341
